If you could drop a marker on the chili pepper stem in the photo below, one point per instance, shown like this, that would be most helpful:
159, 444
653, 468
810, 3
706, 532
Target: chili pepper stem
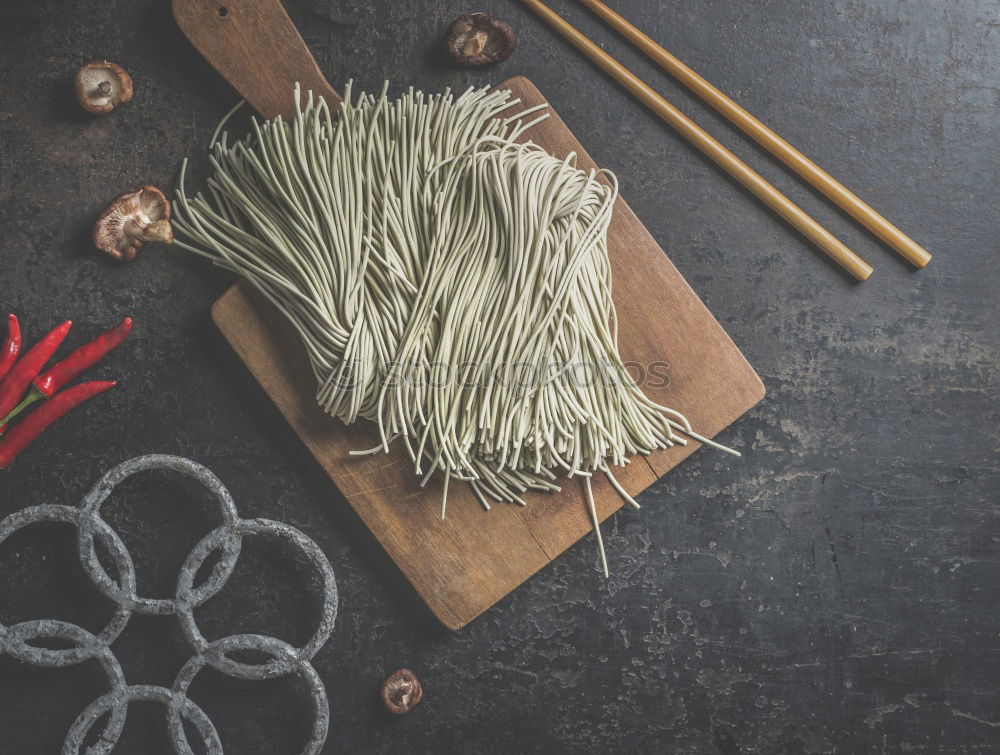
25, 431
26, 369
33, 395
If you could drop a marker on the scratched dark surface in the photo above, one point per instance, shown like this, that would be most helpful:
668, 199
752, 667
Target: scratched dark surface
835, 590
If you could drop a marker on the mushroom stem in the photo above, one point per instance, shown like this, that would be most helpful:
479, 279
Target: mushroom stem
159, 231
479, 39
475, 44
102, 86
401, 691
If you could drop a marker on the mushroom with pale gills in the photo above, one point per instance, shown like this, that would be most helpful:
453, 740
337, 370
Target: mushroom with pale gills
131, 220
102, 86
480, 39
400, 691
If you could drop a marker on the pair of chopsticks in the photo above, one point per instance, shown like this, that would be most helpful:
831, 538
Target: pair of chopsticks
803, 166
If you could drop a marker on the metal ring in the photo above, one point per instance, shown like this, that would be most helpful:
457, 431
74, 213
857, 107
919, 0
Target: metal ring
126, 571
188, 598
284, 655
98, 494
62, 630
119, 700
228, 537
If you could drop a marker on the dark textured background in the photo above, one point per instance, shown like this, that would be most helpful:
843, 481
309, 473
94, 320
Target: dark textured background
835, 590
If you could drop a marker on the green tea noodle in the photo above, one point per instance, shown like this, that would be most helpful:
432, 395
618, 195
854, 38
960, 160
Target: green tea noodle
448, 283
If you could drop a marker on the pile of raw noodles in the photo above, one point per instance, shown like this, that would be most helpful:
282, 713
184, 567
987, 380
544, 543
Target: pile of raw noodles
448, 283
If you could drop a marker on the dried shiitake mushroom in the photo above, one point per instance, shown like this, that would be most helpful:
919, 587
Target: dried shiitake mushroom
401, 691
479, 39
132, 219
102, 86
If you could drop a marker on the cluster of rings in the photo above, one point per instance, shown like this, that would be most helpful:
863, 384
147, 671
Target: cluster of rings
226, 539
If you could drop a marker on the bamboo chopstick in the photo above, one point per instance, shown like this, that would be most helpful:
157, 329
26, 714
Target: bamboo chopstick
802, 165
701, 139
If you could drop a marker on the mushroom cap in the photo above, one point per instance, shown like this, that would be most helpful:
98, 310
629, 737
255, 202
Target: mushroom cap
480, 39
95, 99
401, 691
132, 219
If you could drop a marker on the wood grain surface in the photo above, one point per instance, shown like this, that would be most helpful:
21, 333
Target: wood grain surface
256, 47
464, 564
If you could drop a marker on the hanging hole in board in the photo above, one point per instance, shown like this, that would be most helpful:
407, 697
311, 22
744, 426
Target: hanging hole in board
223, 11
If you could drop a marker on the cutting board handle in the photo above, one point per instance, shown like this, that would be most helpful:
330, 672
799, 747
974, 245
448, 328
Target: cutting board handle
256, 47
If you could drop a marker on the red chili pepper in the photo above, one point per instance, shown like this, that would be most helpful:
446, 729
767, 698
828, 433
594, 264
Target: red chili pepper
32, 426
70, 368
82, 359
14, 385
11, 346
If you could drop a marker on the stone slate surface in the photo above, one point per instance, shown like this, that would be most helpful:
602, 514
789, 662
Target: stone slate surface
832, 591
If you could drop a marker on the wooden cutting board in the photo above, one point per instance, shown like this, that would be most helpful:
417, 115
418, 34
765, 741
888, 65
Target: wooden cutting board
464, 564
